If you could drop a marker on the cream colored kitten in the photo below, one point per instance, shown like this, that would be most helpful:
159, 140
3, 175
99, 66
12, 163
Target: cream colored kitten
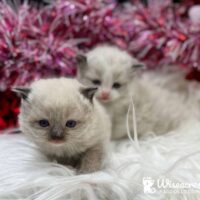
66, 122
114, 72
173, 79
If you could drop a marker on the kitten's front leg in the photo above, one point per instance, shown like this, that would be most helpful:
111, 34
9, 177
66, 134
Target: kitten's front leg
92, 159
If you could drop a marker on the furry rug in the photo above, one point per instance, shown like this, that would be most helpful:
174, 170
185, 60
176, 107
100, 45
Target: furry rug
175, 157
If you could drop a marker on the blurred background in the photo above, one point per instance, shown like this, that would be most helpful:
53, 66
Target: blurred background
40, 38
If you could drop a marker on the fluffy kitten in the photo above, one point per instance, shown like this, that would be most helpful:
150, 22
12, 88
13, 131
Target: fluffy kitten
114, 72
173, 79
66, 122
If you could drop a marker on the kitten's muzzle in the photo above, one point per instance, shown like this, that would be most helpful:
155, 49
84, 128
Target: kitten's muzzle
56, 137
105, 95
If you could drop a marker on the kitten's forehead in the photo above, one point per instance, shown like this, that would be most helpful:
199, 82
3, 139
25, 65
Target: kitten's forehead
57, 94
55, 88
108, 56
109, 63
108, 69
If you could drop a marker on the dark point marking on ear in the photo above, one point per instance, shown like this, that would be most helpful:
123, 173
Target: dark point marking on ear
81, 59
138, 66
22, 92
88, 93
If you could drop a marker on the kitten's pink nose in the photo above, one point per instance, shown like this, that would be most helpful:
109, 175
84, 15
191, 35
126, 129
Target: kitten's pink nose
105, 95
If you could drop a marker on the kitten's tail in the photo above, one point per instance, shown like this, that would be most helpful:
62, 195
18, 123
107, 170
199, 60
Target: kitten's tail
134, 140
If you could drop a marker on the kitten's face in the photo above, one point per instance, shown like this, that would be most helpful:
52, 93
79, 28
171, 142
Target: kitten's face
109, 69
111, 84
57, 113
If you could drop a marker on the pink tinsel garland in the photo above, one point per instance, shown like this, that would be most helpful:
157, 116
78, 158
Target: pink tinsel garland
40, 43
43, 43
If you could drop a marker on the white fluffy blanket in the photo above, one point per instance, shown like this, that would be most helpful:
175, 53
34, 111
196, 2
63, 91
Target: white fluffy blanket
133, 170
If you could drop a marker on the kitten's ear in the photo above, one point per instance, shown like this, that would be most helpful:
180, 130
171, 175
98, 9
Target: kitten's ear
88, 92
22, 92
81, 60
138, 66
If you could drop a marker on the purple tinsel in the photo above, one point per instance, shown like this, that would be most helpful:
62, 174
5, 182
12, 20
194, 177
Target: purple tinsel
43, 43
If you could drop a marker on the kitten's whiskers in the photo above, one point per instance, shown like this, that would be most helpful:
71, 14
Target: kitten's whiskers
135, 139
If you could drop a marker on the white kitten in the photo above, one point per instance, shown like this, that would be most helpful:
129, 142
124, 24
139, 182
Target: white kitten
115, 73
66, 122
173, 79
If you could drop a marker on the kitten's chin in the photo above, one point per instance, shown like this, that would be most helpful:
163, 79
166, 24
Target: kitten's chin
56, 142
106, 101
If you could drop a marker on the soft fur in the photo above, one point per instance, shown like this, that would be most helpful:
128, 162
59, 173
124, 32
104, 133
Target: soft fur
158, 109
26, 174
60, 100
173, 78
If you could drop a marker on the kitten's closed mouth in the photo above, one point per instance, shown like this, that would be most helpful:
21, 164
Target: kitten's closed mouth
103, 100
57, 141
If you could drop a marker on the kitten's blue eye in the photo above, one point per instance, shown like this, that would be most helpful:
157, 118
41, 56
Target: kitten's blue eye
71, 123
116, 85
96, 82
44, 123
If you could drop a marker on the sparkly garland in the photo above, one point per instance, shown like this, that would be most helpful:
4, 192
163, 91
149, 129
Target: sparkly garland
43, 43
